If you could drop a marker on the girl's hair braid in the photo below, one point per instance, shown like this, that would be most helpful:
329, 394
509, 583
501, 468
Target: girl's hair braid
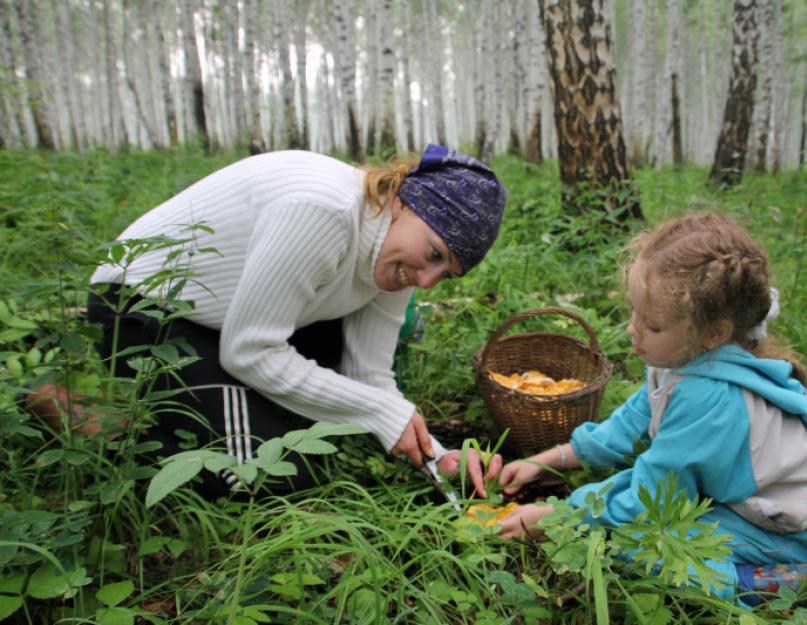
710, 269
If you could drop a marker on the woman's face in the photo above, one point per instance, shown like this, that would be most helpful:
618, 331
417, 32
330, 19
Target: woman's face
412, 254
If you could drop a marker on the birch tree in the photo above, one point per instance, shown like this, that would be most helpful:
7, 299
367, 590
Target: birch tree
386, 75
78, 122
727, 169
33, 72
781, 93
591, 147
251, 65
163, 60
534, 87
11, 91
196, 120
346, 59
403, 56
291, 132
761, 121
302, 9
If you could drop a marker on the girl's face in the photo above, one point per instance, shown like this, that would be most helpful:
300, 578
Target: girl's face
412, 254
659, 339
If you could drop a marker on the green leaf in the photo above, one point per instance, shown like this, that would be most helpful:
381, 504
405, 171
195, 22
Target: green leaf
219, 462
313, 446
9, 605
281, 469
270, 452
114, 616
177, 547
12, 585
152, 544
246, 472
324, 428
48, 583
112, 594
173, 475
49, 457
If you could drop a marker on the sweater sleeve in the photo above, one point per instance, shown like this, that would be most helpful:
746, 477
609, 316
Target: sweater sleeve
294, 251
606, 444
371, 337
703, 440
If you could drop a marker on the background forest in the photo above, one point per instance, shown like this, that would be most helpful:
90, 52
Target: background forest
601, 118
362, 76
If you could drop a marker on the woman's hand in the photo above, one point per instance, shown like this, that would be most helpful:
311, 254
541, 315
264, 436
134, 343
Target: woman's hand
415, 441
522, 520
450, 465
517, 473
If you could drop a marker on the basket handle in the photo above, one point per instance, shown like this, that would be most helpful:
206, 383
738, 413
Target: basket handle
593, 343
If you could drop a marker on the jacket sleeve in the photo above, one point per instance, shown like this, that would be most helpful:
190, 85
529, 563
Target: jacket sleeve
606, 444
703, 441
296, 250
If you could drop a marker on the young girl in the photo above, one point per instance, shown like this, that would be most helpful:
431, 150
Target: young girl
721, 407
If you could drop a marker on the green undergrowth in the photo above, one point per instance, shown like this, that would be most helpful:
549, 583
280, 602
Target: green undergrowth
84, 538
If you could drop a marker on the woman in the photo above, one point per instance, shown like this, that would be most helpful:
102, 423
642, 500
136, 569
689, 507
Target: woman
315, 263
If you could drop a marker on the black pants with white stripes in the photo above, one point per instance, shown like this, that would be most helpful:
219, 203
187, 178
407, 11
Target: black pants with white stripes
234, 416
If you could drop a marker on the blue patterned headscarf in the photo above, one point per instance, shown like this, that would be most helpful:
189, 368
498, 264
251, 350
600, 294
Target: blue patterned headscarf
460, 198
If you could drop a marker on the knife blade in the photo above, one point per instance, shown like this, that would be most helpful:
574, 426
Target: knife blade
430, 469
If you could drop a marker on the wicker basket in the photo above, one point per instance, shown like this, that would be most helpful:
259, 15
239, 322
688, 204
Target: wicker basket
538, 422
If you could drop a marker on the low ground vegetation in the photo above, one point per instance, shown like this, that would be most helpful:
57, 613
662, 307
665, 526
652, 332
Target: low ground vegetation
84, 538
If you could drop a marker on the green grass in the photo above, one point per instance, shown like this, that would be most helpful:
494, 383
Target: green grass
78, 544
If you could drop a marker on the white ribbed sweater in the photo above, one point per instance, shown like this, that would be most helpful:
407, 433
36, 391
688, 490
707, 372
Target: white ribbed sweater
296, 244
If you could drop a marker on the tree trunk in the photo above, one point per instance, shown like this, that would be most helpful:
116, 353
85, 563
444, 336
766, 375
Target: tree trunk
803, 121
343, 17
163, 55
300, 23
677, 149
33, 72
291, 130
115, 129
13, 103
403, 54
386, 78
251, 68
436, 70
761, 129
145, 109
195, 92
781, 89
732, 143
534, 89
591, 149
481, 65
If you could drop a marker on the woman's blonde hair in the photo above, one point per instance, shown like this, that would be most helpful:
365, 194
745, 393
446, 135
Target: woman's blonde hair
383, 182
710, 269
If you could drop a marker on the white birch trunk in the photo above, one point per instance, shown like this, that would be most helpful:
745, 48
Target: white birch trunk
257, 144
535, 87
291, 130
346, 60
300, 23
761, 122
163, 55
78, 124
33, 71
403, 55
386, 79
781, 91
12, 99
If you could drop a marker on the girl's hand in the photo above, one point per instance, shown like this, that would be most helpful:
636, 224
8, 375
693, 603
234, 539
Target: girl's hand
523, 519
450, 465
517, 473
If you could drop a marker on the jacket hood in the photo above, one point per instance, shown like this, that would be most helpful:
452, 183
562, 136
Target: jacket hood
768, 378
